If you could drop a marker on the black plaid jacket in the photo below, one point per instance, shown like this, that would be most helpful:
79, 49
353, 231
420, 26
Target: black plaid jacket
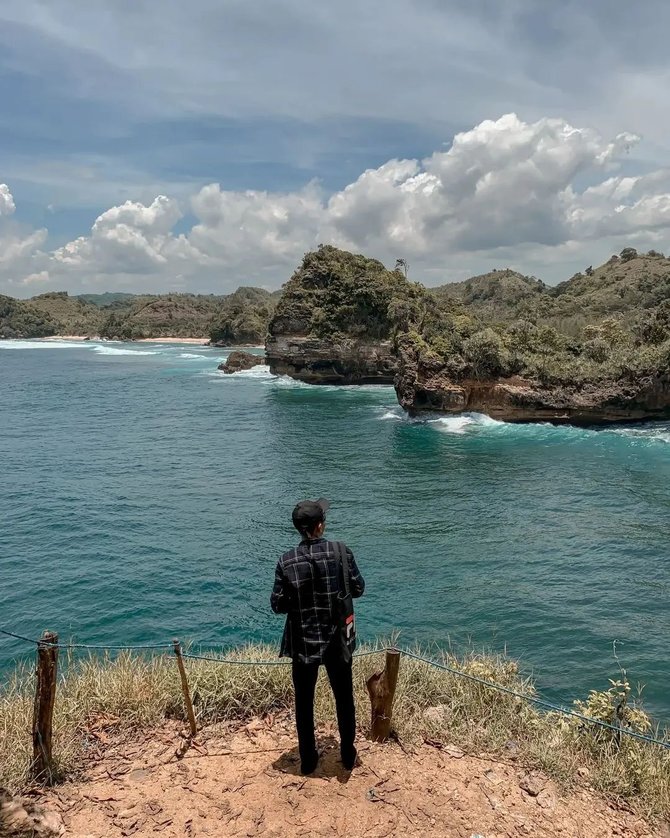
307, 582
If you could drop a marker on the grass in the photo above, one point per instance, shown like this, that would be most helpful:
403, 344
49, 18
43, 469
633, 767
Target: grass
141, 691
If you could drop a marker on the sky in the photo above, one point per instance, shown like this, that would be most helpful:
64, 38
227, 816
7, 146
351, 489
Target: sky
172, 146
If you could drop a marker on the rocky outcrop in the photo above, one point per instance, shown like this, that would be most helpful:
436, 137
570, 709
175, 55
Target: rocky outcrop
421, 389
238, 361
337, 318
21, 819
323, 361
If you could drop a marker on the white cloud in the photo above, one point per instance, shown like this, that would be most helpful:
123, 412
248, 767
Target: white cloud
275, 227
130, 239
505, 182
18, 247
7, 205
507, 191
39, 278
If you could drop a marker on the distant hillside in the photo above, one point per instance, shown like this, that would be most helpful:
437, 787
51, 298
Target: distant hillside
497, 297
169, 315
20, 319
238, 318
72, 315
107, 299
625, 287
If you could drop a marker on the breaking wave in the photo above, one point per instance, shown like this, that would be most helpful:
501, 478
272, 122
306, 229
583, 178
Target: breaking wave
42, 344
103, 349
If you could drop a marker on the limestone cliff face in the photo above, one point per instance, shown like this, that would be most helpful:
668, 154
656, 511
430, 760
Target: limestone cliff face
421, 388
323, 361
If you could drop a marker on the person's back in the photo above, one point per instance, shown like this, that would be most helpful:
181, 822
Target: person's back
308, 582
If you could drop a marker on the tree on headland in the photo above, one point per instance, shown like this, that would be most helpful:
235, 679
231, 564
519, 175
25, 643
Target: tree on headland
402, 265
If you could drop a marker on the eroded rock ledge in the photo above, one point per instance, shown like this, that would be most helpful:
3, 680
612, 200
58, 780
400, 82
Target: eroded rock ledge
520, 399
323, 361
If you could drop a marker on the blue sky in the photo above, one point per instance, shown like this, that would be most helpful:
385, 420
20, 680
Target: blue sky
105, 103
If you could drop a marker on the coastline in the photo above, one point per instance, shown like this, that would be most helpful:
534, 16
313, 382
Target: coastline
201, 341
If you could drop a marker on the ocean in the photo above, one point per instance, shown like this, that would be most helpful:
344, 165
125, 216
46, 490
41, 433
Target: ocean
145, 496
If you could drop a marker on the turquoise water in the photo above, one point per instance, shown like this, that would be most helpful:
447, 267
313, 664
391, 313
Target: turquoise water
143, 495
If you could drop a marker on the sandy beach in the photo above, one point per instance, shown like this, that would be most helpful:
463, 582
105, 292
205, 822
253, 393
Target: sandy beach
202, 341
66, 337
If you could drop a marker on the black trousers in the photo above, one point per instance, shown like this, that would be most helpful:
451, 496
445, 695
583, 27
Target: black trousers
304, 682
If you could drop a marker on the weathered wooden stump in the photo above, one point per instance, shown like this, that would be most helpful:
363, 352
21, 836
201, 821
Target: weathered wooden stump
43, 711
381, 687
184, 688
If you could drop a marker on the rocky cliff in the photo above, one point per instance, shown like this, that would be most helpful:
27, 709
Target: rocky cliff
323, 361
427, 387
336, 320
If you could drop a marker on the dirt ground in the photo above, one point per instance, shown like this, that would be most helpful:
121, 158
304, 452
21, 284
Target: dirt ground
245, 781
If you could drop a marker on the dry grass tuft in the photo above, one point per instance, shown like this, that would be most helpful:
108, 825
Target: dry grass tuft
142, 690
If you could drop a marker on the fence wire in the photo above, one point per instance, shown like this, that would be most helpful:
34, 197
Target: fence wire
532, 699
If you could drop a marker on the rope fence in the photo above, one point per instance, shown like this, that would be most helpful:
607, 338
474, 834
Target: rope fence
46, 644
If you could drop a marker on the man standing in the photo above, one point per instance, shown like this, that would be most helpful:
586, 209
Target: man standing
308, 581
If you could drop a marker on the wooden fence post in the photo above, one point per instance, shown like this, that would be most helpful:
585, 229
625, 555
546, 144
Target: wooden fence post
43, 710
381, 687
184, 687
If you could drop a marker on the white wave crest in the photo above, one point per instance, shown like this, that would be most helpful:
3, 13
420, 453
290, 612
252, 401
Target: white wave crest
394, 413
190, 356
103, 349
43, 344
453, 424
259, 373
262, 371
653, 434
464, 423
290, 383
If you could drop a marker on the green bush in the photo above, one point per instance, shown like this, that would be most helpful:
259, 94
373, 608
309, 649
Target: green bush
486, 354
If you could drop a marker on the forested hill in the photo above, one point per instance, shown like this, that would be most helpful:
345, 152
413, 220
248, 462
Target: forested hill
624, 287
238, 318
627, 287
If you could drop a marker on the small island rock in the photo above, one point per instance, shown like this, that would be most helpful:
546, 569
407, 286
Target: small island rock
238, 361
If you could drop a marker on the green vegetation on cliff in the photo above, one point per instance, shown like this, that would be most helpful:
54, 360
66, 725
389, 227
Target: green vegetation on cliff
611, 323
335, 293
243, 317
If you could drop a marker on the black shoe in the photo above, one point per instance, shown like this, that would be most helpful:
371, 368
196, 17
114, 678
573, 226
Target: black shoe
349, 760
311, 766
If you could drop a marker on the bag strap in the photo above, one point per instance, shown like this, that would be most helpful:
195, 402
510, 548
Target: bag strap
341, 552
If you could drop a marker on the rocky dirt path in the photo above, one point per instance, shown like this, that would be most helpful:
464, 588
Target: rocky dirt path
245, 781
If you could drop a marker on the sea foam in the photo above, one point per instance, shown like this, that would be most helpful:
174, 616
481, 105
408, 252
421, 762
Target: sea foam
42, 344
103, 349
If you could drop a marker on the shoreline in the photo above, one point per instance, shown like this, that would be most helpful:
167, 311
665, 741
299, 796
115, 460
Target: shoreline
201, 341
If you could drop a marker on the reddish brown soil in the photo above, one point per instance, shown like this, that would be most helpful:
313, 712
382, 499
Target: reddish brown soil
245, 781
